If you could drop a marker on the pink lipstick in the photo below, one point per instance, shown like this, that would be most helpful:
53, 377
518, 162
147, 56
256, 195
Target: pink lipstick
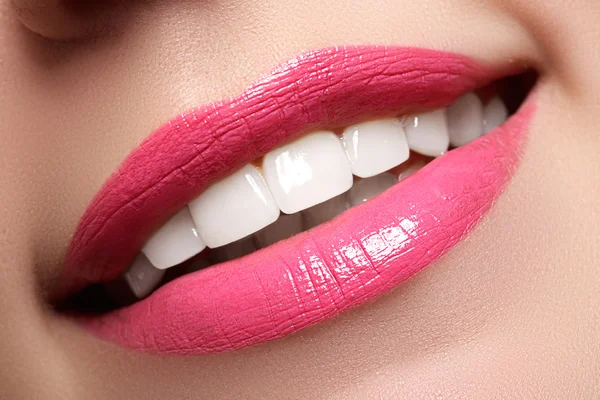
316, 274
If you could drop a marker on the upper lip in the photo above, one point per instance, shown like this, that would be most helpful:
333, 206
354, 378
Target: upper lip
322, 89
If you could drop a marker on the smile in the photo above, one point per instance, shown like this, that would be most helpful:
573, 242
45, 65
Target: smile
331, 180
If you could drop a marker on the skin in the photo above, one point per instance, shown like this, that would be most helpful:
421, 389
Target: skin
511, 312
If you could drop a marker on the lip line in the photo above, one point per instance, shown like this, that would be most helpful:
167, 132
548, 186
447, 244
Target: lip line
87, 260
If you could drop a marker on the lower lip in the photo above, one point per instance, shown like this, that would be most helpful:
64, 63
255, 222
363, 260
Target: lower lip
315, 275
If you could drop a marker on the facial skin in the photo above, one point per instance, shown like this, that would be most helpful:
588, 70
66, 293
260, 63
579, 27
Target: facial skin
511, 312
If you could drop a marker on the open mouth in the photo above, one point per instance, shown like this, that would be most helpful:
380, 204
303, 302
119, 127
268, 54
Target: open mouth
331, 180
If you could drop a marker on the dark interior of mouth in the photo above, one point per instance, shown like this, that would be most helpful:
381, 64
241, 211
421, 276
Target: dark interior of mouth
106, 296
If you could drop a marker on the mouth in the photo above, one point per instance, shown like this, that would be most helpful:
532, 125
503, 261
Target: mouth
331, 180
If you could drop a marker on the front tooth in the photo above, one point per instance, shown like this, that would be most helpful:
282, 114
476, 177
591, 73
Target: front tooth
494, 114
286, 226
142, 277
427, 133
234, 207
175, 242
465, 118
234, 250
366, 189
326, 211
375, 147
306, 172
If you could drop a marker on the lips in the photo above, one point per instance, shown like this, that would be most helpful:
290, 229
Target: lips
316, 274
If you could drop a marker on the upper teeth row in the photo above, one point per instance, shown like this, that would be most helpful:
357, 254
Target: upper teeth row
311, 170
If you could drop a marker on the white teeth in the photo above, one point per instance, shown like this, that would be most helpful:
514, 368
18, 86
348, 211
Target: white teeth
311, 181
175, 242
142, 277
427, 133
237, 249
233, 208
308, 171
465, 119
285, 227
494, 114
366, 189
325, 211
375, 147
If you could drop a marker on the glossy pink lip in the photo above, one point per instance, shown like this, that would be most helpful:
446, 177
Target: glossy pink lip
319, 273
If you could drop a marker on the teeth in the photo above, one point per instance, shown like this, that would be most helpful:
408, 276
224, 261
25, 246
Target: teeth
366, 189
325, 211
241, 213
175, 242
411, 169
427, 133
233, 208
465, 119
142, 277
494, 114
307, 172
237, 249
375, 147
285, 227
